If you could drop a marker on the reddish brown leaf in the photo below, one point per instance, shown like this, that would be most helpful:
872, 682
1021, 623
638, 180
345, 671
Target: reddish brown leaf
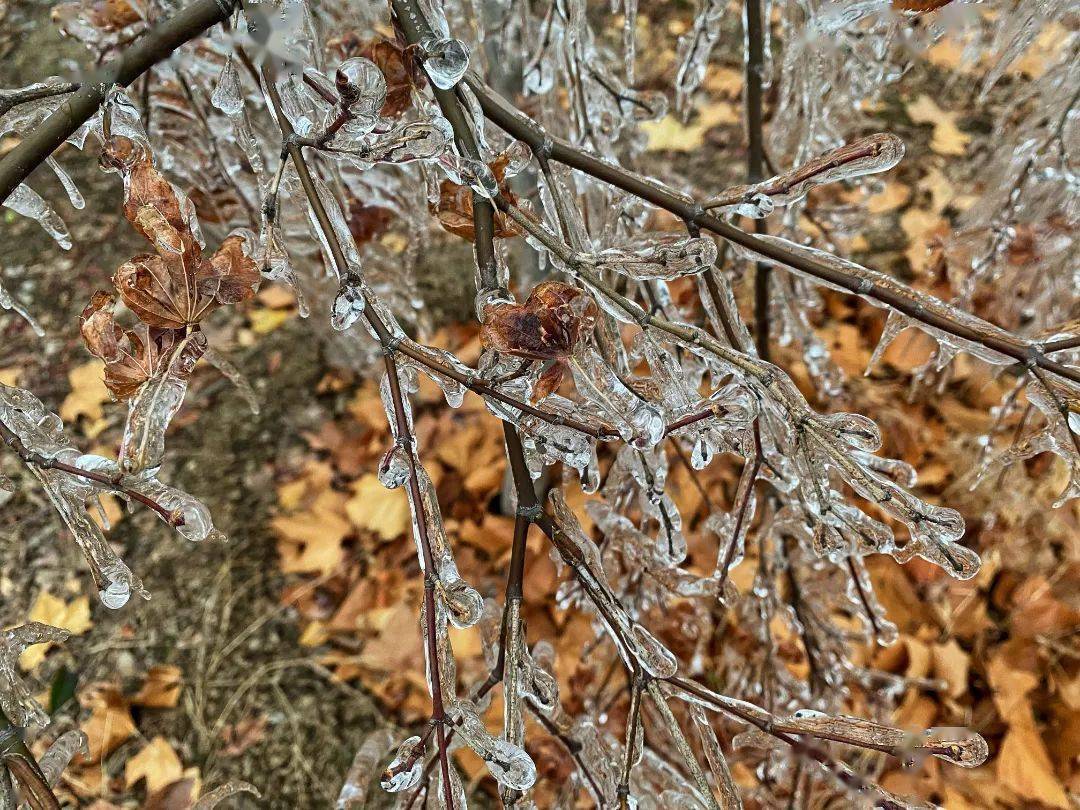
132, 357
546, 327
177, 287
368, 222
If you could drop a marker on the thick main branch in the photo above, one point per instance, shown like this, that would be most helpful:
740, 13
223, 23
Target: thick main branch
157, 44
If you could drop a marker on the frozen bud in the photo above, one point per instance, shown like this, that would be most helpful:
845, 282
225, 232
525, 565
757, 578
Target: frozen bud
348, 303
192, 519
404, 771
361, 85
394, 468
959, 746
854, 430
464, 603
479, 176
445, 61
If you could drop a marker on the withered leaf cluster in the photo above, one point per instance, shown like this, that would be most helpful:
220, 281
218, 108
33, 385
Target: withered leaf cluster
169, 291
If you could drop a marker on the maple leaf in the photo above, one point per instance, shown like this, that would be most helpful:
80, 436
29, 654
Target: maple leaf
176, 287
134, 356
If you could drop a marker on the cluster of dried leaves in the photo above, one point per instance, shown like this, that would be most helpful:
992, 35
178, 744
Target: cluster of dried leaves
170, 291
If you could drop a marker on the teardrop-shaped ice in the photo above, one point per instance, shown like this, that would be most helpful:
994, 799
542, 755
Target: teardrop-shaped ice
445, 61
408, 764
228, 96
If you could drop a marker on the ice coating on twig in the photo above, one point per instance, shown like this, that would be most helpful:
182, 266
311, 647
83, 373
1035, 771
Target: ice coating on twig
869, 155
16, 699
219, 794
62, 750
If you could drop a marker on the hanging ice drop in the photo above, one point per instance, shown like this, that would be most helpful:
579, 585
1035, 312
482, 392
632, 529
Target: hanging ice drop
446, 61
228, 96
404, 771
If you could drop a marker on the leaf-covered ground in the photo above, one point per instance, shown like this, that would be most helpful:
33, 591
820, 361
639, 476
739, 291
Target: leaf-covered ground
268, 658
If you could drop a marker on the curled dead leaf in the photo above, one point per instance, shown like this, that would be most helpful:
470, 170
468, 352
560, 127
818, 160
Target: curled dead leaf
133, 356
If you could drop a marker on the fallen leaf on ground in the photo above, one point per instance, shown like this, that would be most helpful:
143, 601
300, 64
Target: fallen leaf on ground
88, 392
109, 723
157, 763
375, 508
947, 138
161, 689
73, 616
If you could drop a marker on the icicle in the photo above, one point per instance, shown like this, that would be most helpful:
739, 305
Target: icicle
861, 592
714, 754
630, 13
228, 96
234, 375
275, 264
74, 195
638, 421
694, 50
9, 303
149, 413
895, 323
27, 202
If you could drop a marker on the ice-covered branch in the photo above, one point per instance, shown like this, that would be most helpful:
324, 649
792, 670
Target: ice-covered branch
880, 289
158, 43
